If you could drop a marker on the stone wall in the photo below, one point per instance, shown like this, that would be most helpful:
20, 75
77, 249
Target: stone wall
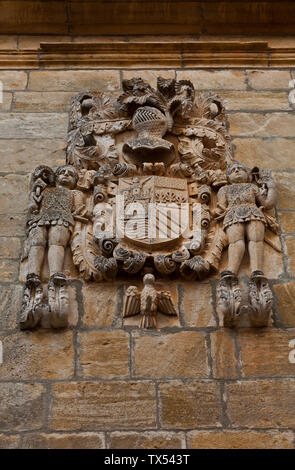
97, 384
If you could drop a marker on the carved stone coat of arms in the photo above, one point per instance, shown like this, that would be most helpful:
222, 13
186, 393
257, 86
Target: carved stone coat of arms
149, 190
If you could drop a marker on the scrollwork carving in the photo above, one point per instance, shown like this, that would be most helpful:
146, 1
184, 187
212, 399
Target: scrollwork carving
106, 266
149, 186
261, 300
229, 298
164, 264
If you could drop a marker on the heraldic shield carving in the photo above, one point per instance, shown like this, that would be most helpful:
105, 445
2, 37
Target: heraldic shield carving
149, 191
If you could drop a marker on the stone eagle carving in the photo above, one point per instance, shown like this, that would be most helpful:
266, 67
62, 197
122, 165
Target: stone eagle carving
148, 302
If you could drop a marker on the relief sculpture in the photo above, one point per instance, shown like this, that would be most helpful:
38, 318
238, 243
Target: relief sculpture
150, 191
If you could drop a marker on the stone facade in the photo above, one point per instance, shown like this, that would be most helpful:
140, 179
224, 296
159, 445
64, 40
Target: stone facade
100, 384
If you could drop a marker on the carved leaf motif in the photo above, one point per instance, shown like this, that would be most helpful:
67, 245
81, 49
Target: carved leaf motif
111, 127
90, 106
207, 128
190, 151
170, 97
138, 93
261, 301
229, 299
105, 106
209, 105
58, 302
84, 251
200, 128
208, 150
32, 306
94, 119
102, 150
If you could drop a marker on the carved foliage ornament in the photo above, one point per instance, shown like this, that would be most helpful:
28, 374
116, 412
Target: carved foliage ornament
149, 191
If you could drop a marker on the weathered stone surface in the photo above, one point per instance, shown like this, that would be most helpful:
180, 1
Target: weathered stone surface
214, 80
8, 42
147, 440
37, 355
261, 403
100, 304
188, 405
12, 223
21, 406
103, 405
9, 442
74, 80
149, 75
104, 354
10, 305
290, 243
8, 270
285, 189
5, 104
13, 80
223, 354
180, 354
250, 100
262, 125
286, 302
73, 310
196, 305
85, 440
33, 126
264, 352
288, 221
276, 154
33, 42
101, 38
26, 154
273, 265
240, 440
11, 186
42, 101
10, 247
269, 79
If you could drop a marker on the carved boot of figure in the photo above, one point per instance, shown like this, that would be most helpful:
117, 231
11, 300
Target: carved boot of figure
229, 298
58, 301
260, 300
32, 305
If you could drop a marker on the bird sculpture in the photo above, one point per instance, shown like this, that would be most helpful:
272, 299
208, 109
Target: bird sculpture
147, 302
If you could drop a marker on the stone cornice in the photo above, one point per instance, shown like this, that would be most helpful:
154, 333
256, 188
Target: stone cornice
150, 55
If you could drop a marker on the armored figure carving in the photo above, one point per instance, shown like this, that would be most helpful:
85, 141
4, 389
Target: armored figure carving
241, 205
54, 206
51, 220
150, 186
